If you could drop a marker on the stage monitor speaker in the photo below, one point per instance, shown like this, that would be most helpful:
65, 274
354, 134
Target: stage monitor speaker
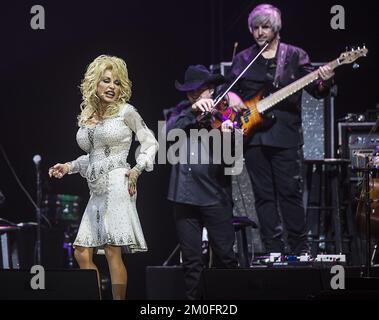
261, 284
284, 283
59, 285
165, 283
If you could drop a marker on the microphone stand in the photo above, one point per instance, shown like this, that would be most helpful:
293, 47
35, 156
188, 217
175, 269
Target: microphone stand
2, 198
171, 255
38, 210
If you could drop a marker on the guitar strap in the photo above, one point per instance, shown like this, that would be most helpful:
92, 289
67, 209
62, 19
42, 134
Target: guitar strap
280, 66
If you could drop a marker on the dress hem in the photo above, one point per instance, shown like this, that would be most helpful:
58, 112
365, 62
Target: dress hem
130, 248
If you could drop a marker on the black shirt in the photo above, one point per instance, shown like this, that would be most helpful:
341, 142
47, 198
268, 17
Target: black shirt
195, 184
264, 73
286, 131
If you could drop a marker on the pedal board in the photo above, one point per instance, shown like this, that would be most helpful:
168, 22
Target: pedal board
330, 258
275, 260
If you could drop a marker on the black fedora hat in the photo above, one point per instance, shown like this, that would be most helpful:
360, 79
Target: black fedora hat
196, 76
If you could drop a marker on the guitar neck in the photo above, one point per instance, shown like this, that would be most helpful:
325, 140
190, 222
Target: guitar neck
292, 88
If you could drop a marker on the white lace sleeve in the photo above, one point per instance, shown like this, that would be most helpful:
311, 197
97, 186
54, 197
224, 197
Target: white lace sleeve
79, 165
149, 145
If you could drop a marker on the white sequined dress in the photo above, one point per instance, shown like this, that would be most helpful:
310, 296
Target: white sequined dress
111, 215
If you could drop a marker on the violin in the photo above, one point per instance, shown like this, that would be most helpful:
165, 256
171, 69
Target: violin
220, 113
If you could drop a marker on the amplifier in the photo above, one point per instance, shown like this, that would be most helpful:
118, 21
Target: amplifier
357, 141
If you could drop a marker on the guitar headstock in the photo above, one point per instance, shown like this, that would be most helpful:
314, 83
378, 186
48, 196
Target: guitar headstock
352, 55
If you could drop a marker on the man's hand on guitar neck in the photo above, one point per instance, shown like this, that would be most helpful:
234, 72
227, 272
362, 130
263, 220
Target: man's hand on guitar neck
325, 73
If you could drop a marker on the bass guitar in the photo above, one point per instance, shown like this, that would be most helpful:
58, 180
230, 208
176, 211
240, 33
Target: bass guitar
254, 117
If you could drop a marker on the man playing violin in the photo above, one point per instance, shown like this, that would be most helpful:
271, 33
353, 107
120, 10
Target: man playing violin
200, 192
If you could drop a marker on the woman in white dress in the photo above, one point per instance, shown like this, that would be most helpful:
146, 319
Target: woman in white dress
106, 125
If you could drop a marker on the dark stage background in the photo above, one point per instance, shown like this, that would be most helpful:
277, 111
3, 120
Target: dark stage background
41, 71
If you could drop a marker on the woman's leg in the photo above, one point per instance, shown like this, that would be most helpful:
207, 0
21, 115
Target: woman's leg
118, 272
84, 257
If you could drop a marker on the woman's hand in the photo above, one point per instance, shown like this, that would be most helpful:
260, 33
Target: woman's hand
133, 175
59, 170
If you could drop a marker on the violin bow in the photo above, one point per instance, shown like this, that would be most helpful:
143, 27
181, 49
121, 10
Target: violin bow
221, 96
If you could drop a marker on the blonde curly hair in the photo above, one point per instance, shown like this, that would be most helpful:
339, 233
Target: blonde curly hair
91, 102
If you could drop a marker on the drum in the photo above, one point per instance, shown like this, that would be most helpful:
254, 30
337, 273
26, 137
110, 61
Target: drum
374, 208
